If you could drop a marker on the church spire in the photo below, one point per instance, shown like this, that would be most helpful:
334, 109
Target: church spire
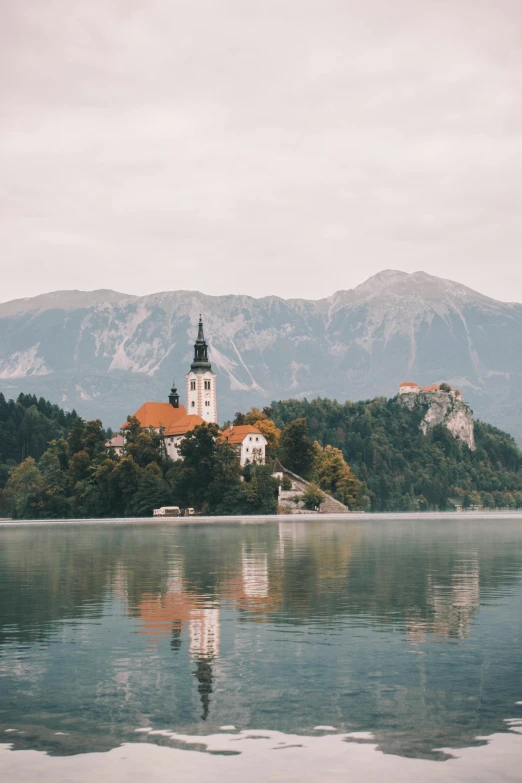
201, 336
201, 363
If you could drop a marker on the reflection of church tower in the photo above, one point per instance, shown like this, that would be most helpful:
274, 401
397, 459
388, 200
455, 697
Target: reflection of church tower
201, 381
203, 674
204, 647
254, 567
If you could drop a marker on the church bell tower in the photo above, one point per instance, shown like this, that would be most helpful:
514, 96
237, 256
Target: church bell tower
201, 381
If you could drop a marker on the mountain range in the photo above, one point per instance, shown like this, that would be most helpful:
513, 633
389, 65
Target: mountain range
104, 353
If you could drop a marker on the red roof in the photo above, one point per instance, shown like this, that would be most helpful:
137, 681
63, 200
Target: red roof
434, 387
175, 421
237, 433
409, 383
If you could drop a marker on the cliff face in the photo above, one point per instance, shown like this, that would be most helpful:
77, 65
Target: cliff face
443, 408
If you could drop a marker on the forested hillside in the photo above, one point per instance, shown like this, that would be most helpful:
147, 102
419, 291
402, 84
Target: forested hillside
27, 425
370, 455
404, 469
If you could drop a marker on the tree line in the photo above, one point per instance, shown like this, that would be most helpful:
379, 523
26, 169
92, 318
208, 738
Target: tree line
369, 455
79, 477
405, 470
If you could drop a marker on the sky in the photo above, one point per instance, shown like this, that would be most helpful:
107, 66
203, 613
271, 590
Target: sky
288, 147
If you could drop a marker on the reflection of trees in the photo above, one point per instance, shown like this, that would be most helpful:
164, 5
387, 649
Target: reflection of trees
177, 582
291, 572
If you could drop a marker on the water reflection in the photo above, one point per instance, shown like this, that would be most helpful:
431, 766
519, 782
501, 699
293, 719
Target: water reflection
407, 630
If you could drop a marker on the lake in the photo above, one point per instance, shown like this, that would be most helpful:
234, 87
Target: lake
281, 650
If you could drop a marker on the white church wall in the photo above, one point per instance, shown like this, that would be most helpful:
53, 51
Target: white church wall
201, 395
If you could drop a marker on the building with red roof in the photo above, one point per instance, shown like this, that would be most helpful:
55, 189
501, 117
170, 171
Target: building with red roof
250, 444
171, 418
409, 387
174, 420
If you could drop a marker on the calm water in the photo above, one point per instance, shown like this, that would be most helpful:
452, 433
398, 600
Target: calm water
408, 632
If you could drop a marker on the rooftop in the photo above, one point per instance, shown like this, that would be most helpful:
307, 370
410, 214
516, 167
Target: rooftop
175, 421
237, 433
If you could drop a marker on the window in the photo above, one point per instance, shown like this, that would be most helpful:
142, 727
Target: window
207, 403
257, 438
250, 439
193, 386
207, 384
193, 404
246, 449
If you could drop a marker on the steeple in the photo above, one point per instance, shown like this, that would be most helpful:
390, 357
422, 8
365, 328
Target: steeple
201, 363
201, 381
174, 396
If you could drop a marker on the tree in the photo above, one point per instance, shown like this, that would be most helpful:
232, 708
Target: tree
124, 482
53, 501
226, 473
257, 494
152, 492
313, 497
144, 445
79, 466
297, 450
197, 449
23, 490
445, 387
335, 476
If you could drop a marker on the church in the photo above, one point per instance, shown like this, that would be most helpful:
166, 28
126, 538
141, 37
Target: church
175, 420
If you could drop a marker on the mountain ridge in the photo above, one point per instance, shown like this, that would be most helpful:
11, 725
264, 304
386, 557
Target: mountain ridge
105, 352
377, 281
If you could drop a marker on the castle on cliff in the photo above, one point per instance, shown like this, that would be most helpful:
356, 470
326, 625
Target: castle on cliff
409, 387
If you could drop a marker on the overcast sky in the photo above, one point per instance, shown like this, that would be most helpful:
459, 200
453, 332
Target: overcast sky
290, 147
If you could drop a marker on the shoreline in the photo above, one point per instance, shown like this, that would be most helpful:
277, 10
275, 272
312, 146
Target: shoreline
354, 516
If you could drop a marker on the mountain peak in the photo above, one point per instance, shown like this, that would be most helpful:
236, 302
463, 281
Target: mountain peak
417, 285
62, 300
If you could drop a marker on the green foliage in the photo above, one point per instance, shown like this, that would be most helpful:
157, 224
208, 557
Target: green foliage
286, 484
312, 498
296, 448
23, 490
403, 469
152, 492
27, 426
335, 476
80, 477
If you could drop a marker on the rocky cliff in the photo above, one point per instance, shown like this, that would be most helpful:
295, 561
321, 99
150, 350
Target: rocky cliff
104, 353
443, 408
